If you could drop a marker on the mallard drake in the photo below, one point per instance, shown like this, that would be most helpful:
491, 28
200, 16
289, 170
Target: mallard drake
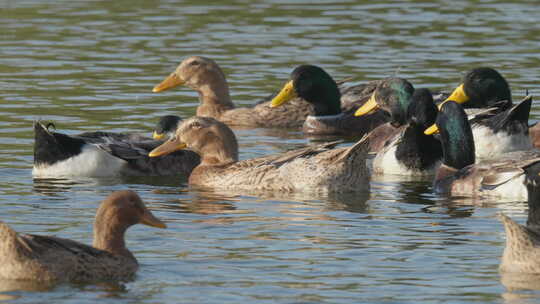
408, 151
460, 175
48, 258
483, 88
321, 168
206, 77
95, 154
522, 251
314, 85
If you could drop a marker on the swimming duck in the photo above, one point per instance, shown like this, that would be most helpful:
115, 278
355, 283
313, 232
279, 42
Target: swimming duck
314, 85
482, 88
503, 177
321, 168
408, 151
206, 77
93, 154
49, 258
522, 251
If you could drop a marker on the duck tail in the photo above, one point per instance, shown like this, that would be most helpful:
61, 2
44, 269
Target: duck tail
516, 235
12, 244
50, 147
357, 151
514, 120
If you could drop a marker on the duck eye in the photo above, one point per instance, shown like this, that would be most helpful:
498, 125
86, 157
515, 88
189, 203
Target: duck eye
195, 125
194, 63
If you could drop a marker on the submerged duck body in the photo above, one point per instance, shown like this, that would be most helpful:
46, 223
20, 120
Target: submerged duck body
522, 251
47, 258
506, 128
94, 154
408, 151
320, 168
460, 175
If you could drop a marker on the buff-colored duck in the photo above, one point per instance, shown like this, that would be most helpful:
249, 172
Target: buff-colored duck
320, 168
494, 136
460, 174
48, 258
312, 84
522, 251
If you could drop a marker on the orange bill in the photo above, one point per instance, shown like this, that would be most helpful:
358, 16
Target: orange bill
167, 147
149, 219
170, 82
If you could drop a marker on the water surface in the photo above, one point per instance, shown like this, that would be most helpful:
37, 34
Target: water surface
91, 66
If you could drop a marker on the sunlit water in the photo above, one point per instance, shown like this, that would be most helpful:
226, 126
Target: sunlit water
91, 66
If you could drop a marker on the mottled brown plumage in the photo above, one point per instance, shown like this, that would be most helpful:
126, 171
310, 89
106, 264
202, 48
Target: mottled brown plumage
320, 168
48, 258
534, 135
522, 251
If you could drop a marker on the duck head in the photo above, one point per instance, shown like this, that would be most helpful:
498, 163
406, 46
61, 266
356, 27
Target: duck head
166, 127
211, 139
422, 111
315, 86
481, 87
393, 96
115, 215
194, 72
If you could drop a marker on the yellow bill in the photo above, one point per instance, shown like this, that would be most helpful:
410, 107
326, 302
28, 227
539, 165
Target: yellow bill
150, 220
167, 147
459, 96
286, 94
170, 82
370, 106
431, 130
158, 136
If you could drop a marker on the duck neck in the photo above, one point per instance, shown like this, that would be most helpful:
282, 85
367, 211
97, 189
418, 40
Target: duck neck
109, 236
417, 150
219, 153
327, 104
458, 145
533, 218
214, 98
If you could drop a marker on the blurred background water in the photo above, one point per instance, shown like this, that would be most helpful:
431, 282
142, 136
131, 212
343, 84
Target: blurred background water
91, 65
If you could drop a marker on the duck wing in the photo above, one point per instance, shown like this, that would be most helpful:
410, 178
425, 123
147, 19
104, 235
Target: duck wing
47, 258
129, 150
181, 162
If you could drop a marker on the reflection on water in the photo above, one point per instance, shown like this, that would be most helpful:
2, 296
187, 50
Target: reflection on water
91, 65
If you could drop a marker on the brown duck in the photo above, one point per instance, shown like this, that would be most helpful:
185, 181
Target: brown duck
522, 251
320, 168
48, 258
